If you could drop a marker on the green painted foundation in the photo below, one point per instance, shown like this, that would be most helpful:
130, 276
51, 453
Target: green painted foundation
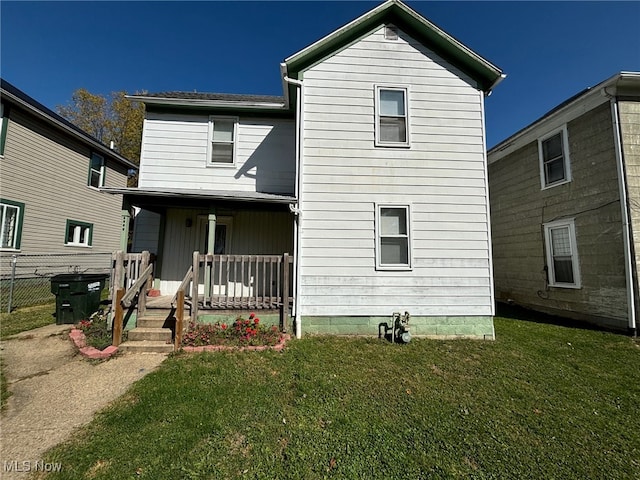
478, 327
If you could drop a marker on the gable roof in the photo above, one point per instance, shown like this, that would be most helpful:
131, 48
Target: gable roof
18, 97
412, 23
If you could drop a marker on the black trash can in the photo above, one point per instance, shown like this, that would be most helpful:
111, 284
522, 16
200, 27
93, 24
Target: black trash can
77, 295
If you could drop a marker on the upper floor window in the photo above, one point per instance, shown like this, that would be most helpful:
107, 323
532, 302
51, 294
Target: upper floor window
3, 128
553, 151
393, 237
79, 234
562, 254
222, 139
12, 214
96, 171
392, 119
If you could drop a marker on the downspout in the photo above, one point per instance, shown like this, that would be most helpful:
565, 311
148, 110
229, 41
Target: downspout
624, 205
296, 208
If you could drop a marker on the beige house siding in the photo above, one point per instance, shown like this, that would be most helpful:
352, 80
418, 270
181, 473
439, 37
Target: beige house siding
629, 117
48, 172
519, 208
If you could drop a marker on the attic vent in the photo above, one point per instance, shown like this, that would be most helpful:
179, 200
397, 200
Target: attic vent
391, 32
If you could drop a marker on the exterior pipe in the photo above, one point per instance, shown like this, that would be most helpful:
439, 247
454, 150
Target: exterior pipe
624, 205
297, 209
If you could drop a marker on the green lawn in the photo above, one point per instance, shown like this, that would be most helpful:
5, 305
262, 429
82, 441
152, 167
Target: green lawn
541, 402
25, 319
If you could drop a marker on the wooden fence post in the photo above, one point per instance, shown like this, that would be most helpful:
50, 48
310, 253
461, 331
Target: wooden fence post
118, 318
284, 315
179, 320
117, 278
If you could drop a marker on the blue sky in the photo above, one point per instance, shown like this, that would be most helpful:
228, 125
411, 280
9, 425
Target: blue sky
549, 50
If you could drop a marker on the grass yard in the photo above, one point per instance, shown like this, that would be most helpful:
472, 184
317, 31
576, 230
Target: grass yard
26, 318
541, 402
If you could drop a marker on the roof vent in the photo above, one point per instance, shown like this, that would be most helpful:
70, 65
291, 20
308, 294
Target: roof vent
390, 32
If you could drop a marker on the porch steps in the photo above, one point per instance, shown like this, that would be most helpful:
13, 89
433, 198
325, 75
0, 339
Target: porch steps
151, 334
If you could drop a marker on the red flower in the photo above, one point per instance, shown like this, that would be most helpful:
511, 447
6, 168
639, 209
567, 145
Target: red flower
223, 326
256, 321
251, 315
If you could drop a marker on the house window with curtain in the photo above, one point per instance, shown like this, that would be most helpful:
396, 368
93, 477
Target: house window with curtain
554, 158
562, 254
393, 237
392, 118
79, 234
222, 139
12, 214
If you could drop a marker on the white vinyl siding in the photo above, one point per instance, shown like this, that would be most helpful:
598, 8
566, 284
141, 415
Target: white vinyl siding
562, 254
553, 150
442, 176
175, 154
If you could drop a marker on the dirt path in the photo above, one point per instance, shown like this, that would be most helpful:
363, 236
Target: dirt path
55, 391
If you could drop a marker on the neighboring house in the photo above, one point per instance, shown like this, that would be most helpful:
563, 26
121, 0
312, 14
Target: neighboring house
565, 207
51, 173
370, 171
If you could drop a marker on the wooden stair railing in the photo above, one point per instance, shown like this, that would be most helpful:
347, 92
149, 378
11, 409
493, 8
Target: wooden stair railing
126, 299
178, 302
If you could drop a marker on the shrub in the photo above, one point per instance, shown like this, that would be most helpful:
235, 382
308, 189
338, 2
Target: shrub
96, 331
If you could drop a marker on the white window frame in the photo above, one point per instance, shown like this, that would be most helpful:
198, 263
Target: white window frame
378, 235
17, 228
100, 172
565, 153
212, 120
391, 28
78, 228
570, 225
378, 141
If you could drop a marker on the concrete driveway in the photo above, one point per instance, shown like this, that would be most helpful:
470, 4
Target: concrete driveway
55, 391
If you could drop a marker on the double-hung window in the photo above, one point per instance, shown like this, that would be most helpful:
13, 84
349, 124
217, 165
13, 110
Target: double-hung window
392, 117
79, 234
96, 171
222, 139
562, 254
393, 237
12, 214
553, 151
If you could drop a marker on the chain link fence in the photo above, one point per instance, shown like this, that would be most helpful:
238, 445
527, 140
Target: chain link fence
25, 280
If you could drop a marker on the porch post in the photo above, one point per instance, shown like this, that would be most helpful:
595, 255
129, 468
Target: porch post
126, 219
211, 241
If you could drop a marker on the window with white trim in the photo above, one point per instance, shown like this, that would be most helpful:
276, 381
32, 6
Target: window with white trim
79, 234
222, 140
12, 214
553, 151
96, 171
562, 254
393, 237
392, 118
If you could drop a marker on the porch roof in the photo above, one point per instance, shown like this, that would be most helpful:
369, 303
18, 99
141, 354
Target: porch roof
199, 194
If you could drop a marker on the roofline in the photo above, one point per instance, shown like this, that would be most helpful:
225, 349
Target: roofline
57, 121
492, 74
202, 194
558, 110
194, 102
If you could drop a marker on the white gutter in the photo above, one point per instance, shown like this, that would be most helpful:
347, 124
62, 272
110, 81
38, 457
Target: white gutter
297, 208
624, 206
193, 102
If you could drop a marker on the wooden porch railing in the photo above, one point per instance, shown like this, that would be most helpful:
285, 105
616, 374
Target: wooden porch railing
248, 282
131, 277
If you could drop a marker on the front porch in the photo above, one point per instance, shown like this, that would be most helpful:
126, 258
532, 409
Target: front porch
214, 286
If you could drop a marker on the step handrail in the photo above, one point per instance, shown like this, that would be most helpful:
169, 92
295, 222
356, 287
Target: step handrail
134, 290
183, 285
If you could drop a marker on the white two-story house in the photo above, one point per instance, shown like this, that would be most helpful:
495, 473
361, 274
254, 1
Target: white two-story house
370, 171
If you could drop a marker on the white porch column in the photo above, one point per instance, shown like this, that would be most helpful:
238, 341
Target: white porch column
211, 241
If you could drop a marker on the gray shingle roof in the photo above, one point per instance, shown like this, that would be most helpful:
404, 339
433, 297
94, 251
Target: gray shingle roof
226, 97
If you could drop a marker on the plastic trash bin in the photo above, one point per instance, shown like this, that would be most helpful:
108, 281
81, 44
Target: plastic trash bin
77, 295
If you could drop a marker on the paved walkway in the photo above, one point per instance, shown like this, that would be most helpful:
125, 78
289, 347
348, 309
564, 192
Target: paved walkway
55, 391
